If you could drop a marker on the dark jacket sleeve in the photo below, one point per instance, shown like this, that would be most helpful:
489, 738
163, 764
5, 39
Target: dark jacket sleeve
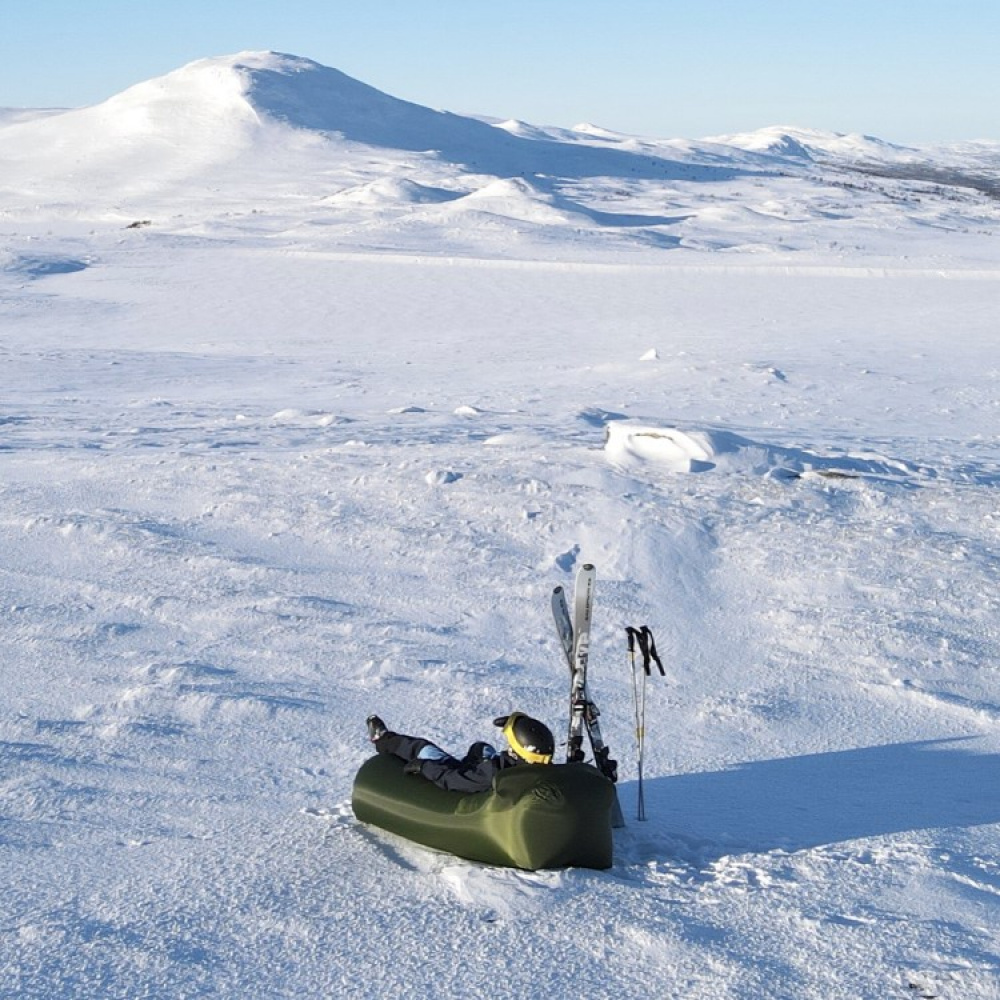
467, 776
464, 778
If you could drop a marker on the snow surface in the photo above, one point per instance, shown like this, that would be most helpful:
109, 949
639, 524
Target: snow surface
311, 396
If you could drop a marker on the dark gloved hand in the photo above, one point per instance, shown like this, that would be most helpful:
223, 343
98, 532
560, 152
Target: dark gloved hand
476, 752
413, 766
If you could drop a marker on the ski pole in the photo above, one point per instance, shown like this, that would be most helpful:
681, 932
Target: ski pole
639, 705
643, 638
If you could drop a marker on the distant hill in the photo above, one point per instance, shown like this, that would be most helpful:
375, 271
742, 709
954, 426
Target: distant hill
266, 133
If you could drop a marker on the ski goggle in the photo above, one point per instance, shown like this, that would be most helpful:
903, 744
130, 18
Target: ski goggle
526, 753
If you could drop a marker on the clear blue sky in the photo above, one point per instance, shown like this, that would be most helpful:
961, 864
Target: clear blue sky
905, 70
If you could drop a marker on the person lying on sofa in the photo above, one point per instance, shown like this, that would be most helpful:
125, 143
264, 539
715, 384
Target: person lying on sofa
529, 742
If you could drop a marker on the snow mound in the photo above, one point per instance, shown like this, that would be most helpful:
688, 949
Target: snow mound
517, 198
631, 446
672, 449
387, 191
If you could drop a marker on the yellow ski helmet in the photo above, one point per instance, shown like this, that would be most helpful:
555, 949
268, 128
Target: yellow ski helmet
530, 740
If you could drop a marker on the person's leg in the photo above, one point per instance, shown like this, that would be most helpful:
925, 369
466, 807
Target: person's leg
410, 747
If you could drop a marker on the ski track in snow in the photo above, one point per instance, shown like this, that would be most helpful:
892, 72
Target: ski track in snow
303, 450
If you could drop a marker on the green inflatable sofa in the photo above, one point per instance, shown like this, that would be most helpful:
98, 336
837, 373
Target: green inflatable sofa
534, 816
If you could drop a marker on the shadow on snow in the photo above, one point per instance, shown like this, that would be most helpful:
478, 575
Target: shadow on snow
798, 803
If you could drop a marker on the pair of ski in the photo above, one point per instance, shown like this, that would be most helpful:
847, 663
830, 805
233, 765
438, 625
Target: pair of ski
574, 637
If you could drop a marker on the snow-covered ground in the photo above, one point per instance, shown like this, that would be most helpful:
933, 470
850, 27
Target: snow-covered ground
299, 421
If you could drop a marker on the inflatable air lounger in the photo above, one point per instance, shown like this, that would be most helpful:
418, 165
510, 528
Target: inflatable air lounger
533, 817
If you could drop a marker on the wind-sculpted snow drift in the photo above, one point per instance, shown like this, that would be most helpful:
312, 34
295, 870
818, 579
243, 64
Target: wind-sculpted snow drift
630, 445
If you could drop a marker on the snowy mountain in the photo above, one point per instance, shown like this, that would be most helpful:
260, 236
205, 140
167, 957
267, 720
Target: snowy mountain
300, 141
247, 109
310, 396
